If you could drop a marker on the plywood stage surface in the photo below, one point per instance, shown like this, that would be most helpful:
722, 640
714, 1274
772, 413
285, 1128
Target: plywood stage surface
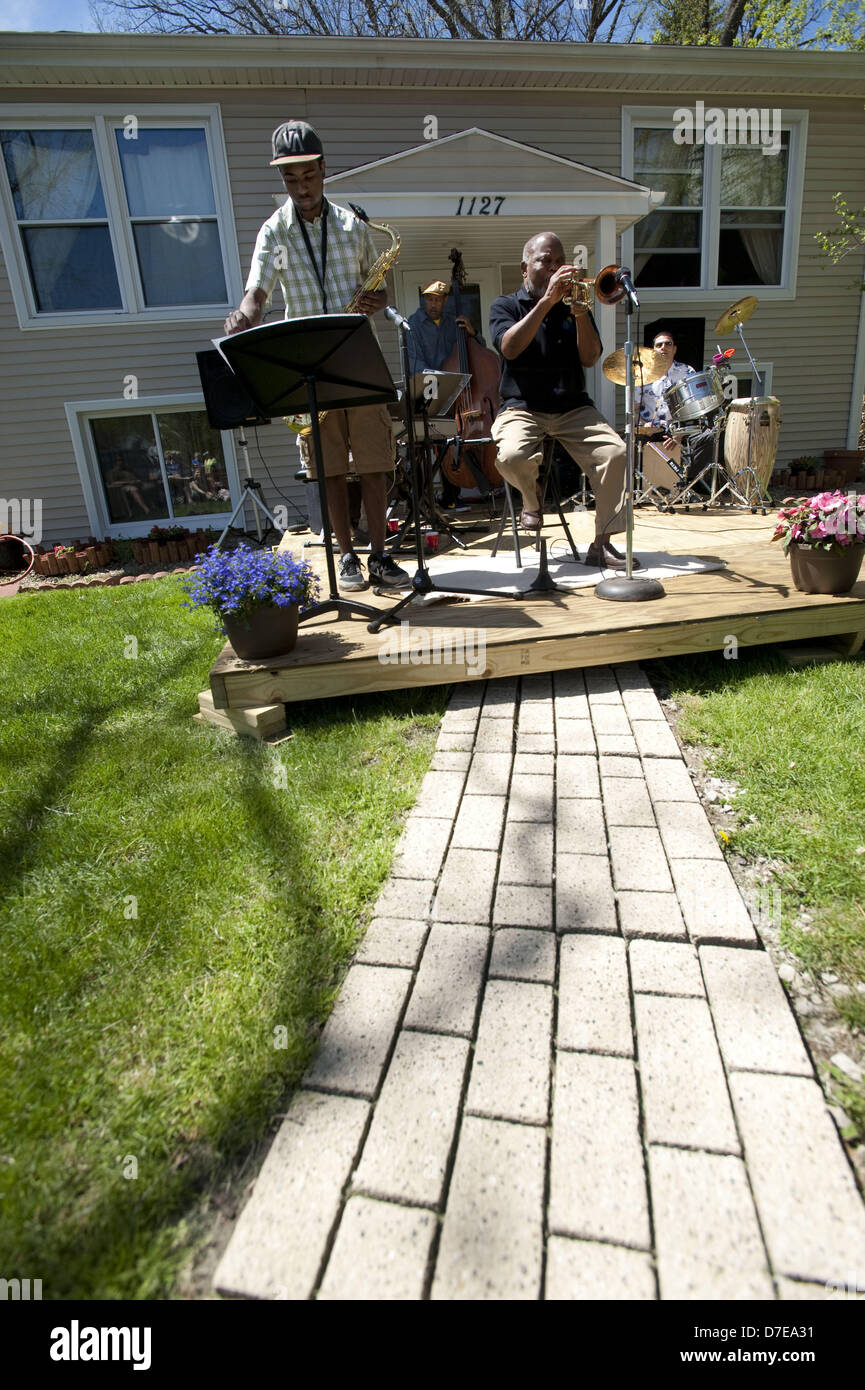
751, 599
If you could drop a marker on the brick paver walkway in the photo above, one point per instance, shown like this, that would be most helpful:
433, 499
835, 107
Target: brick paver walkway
562, 1065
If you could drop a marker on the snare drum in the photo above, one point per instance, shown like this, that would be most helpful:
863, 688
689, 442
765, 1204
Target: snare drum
701, 393
765, 412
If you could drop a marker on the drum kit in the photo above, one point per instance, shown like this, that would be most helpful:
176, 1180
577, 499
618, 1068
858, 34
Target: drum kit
699, 411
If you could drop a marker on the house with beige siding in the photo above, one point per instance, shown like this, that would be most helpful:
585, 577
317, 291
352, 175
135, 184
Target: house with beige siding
135, 175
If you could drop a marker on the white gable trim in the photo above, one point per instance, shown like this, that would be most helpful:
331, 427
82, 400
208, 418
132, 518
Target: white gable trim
417, 151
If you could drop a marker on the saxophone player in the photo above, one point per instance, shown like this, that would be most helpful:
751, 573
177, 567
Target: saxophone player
320, 254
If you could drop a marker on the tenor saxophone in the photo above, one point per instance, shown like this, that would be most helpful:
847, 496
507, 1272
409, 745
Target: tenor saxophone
302, 424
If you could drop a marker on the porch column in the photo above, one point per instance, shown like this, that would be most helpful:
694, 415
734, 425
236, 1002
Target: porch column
605, 316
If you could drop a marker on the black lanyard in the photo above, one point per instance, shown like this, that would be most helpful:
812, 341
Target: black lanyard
319, 274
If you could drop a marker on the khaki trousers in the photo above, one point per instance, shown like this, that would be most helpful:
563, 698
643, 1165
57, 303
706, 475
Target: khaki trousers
591, 442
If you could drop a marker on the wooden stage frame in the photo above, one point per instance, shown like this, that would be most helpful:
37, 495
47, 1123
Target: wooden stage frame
752, 600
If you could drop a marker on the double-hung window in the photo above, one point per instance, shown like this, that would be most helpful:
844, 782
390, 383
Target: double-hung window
115, 217
730, 218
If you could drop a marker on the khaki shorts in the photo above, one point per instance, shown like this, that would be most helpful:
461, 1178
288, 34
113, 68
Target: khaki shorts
365, 431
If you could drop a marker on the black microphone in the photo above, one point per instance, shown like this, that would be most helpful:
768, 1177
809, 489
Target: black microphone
623, 277
396, 317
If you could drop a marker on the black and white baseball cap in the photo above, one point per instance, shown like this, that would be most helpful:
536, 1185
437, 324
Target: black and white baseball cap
295, 142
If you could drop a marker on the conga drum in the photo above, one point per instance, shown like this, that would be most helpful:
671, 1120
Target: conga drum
759, 416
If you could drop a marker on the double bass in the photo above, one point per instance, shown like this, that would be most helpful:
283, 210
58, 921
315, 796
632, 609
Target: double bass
477, 403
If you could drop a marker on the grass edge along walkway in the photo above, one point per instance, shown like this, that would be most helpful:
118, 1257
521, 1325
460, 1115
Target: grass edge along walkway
179, 908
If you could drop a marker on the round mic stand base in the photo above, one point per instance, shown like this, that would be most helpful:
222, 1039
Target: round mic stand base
636, 588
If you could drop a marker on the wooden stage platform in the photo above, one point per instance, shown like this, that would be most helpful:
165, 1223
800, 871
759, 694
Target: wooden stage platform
752, 599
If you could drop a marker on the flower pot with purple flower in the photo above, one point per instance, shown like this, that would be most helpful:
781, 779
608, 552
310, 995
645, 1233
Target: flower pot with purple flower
257, 595
825, 539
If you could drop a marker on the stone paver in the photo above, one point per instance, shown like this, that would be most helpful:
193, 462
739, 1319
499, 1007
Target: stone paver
711, 903
655, 738
406, 1151
448, 985
380, 1253
489, 774
665, 967
439, 794
580, 827
708, 1237
651, 914
465, 891
527, 853
638, 859
479, 823
577, 776
584, 894
595, 1134
405, 897
523, 955
585, 1271
753, 1019
559, 1021
421, 848
392, 941
809, 1206
519, 905
358, 1035
686, 831
668, 779
492, 1237
575, 736
510, 1077
626, 801
684, 1090
282, 1232
535, 745
594, 999
531, 796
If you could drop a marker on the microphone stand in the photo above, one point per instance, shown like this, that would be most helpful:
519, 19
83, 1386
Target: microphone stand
628, 586
421, 584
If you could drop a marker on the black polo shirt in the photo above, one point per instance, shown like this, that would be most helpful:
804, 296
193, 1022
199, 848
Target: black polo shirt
548, 375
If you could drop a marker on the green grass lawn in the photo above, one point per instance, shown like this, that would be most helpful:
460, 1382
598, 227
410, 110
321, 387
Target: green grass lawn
793, 739
179, 908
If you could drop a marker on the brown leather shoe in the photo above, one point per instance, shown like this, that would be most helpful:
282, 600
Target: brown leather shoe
609, 559
530, 521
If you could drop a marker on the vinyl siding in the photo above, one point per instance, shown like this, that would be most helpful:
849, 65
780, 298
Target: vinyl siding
811, 340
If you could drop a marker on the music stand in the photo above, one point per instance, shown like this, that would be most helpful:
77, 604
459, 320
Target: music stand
323, 362
440, 390
421, 583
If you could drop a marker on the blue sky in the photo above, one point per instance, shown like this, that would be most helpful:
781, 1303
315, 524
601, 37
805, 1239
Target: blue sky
45, 14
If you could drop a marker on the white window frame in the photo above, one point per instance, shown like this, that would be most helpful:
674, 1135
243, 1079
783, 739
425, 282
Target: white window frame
80, 413
661, 118
101, 122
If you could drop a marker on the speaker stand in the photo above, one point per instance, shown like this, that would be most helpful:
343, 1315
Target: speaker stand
250, 493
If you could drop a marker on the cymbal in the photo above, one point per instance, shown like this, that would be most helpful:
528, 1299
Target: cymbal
739, 312
648, 366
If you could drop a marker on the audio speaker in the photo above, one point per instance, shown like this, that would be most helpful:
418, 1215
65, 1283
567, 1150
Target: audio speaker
227, 401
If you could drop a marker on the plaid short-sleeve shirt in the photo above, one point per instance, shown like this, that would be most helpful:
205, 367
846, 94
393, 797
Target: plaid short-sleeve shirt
280, 257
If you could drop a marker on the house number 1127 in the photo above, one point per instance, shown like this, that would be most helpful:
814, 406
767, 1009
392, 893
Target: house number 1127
486, 206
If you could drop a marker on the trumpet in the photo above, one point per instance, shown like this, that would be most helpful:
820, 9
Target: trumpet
604, 287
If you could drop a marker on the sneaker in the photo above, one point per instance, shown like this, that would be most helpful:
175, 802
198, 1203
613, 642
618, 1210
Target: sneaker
383, 571
350, 572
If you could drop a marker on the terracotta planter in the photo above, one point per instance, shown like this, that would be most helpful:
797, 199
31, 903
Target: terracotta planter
268, 631
825, 571
104, 553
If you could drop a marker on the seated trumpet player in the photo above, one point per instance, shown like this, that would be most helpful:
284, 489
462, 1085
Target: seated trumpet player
546, 345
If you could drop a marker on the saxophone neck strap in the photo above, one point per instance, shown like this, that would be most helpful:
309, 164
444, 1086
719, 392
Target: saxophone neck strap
319, 274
